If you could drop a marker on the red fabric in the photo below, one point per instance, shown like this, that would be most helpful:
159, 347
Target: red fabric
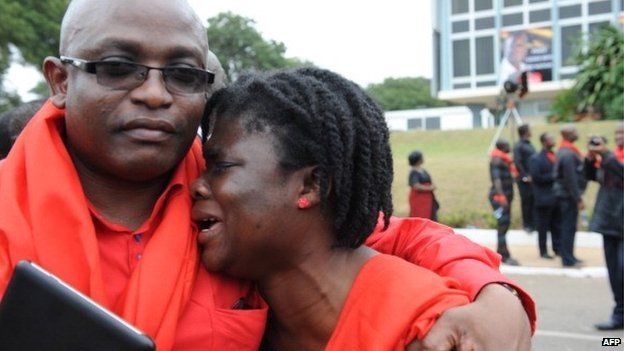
44, 216
619, 153
500, 199
421, 203
436, 247
507, 160
569, 145
550, 156
390, 304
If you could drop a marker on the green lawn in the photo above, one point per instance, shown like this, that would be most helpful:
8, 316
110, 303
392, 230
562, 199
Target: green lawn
458, 164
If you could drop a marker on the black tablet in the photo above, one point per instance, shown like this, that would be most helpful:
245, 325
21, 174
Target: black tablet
41, 312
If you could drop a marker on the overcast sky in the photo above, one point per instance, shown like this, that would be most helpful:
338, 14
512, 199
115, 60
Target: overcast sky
366, 41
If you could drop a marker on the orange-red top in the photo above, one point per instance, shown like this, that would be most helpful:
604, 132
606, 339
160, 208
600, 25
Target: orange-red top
391, 303
45, 218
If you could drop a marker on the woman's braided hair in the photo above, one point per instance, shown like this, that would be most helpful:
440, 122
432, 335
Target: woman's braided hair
321, 119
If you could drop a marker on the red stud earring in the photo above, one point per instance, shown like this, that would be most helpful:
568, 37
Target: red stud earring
303, 202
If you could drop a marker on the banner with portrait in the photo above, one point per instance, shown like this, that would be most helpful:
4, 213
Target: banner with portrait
526, 50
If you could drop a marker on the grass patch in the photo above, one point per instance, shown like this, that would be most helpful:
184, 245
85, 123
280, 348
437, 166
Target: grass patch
458, 164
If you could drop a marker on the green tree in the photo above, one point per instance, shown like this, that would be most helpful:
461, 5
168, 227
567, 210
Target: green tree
600, 79
239, 46
403, 94
32, 27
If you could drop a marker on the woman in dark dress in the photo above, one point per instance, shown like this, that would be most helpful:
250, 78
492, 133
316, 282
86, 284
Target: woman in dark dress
422, 198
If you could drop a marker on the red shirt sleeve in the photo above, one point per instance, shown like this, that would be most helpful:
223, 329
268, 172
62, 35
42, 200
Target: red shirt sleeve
437, 248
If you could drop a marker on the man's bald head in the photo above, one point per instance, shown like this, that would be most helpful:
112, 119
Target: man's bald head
83, 16
213, 64
569, 132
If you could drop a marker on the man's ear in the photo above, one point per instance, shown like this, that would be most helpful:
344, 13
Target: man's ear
56, 75
310, 187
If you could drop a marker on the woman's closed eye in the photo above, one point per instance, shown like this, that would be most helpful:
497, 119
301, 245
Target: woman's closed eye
220, 167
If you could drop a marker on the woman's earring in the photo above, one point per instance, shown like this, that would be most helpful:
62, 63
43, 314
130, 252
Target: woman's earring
303, 203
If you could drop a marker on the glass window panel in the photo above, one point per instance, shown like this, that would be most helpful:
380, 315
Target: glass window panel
489, 83
570, 11
460, 26
481, 5
512, 19
484, 23
597, 25
539, 16
570, 37
599, 7
484, 48
461, 58
414, 123
509, 3
432, 123
461, 86
459, 6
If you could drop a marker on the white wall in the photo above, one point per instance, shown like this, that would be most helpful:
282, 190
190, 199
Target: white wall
450, 118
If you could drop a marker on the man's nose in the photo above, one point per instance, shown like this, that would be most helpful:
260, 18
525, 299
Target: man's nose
153, 91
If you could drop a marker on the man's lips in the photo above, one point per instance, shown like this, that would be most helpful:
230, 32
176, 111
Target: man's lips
149, 129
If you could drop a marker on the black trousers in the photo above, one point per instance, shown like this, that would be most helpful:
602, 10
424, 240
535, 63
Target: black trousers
526, 204
614, 255
569, 215
548, 219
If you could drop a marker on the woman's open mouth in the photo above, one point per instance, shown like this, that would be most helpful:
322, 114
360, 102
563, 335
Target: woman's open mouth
209, 228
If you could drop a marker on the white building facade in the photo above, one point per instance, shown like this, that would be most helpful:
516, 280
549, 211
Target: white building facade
477, 42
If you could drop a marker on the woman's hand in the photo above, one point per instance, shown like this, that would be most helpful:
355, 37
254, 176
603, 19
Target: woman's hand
495, 321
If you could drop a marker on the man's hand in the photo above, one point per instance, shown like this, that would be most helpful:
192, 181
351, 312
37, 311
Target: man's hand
495, 321
501, 200
580, 204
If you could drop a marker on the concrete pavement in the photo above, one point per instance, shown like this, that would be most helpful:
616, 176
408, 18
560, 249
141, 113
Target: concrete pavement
523, 247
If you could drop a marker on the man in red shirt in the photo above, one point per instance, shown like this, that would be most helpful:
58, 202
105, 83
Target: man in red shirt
96, 191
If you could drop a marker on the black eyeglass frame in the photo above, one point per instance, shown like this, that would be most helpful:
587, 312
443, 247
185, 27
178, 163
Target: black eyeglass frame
90, 67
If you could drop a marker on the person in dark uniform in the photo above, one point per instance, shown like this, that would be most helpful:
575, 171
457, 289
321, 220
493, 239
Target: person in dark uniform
569, 187
547, 216
522, 152
603, 166
422, 198
502, 173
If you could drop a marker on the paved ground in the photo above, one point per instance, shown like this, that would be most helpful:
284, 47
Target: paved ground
569, 301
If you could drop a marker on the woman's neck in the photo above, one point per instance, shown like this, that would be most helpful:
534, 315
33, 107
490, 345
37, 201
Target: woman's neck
306, 299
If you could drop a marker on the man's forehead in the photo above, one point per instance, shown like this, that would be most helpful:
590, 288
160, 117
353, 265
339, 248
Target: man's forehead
153, 22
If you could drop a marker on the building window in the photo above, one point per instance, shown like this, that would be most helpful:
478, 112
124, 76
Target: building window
567, 76
481, 5
484, 48
570, 11
599, 7
484, 23
489, 83
461, 85
432, 123
460, 26
539, 16
414, 123
459, 6
570, 37
461, 58
597, 26
512, 19
534, 1
509, 3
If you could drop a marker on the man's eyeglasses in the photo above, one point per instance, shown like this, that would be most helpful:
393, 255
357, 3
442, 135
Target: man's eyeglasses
123, 75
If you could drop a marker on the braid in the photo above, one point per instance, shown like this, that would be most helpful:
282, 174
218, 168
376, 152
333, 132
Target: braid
321, 119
